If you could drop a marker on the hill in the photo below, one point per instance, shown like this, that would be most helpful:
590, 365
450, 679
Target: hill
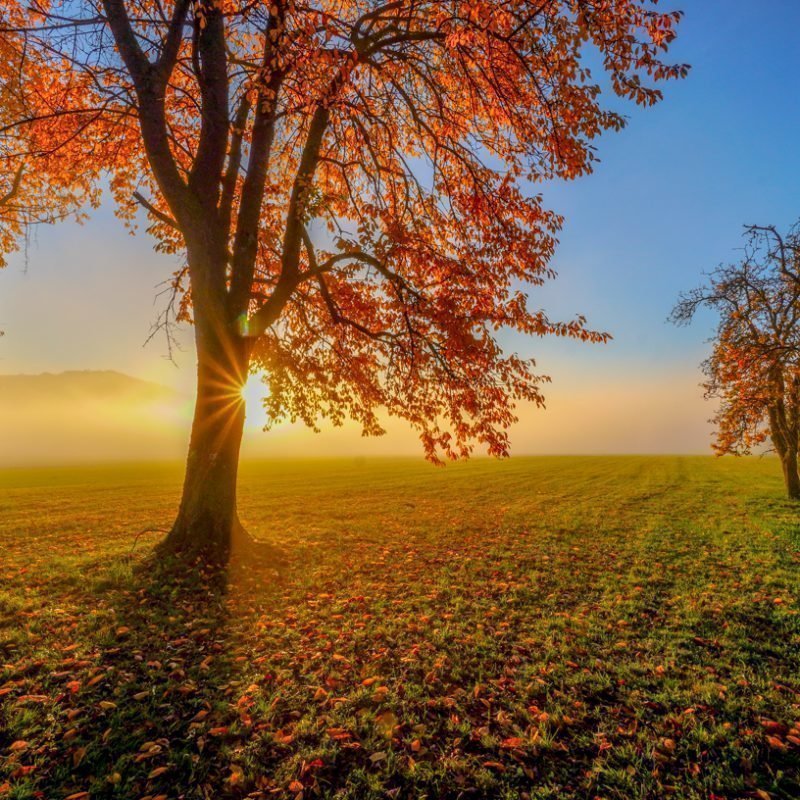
84, 385
82, 416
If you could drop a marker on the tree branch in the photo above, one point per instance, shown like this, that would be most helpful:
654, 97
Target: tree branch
160, 215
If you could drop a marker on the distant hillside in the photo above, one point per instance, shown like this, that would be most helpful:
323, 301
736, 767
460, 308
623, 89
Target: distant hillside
94, 386
84, 416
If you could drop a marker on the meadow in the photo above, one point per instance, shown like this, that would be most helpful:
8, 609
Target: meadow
535, 628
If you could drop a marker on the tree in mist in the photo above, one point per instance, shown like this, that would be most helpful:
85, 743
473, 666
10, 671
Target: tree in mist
346, 180
754, 367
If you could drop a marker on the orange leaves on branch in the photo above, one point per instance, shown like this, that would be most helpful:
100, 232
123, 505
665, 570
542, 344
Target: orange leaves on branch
43, 112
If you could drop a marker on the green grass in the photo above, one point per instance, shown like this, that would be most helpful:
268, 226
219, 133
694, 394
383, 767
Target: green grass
537, 628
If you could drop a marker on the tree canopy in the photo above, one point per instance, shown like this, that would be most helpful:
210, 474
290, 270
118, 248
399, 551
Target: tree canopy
359, 168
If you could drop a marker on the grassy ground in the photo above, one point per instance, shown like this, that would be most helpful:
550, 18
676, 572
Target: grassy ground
538, 628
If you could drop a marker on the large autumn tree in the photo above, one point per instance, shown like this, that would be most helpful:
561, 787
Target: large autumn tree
754, 367
347, 180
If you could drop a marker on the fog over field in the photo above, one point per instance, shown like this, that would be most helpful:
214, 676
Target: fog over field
75, 417
96, 416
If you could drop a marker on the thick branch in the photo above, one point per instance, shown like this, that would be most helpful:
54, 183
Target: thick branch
245, 244
160, 215
234, 163
15, 184
301, 187
205, 178
149, 86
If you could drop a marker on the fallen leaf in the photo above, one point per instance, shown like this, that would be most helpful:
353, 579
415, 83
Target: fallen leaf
386, 722
154, 773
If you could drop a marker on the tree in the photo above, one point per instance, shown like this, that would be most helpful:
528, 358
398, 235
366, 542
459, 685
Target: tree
754, 366
346, 179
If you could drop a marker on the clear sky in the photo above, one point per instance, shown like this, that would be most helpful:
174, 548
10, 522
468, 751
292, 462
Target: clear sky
667, 201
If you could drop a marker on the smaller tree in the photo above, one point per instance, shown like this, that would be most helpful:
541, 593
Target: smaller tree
754, 367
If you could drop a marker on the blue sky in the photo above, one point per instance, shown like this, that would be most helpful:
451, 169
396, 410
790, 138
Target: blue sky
667, 201
674, 189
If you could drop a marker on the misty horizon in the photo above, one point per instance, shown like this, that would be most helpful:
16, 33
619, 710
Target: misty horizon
95, 416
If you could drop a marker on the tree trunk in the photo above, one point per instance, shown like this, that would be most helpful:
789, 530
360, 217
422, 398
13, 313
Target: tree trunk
207, 523
784, 439
790, 473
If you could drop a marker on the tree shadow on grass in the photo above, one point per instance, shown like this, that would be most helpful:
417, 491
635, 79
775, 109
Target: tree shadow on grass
141, 696
390, 668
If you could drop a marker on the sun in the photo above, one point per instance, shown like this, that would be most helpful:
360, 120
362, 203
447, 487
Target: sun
253, 393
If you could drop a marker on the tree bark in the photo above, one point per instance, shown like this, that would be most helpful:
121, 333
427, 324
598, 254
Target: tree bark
784, 439
790, 474
207, 523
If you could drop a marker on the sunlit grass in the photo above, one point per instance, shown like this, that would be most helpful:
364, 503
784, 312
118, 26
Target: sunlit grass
544, 628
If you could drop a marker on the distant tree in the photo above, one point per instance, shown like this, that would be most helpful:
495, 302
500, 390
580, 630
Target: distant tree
754, 367
345, 179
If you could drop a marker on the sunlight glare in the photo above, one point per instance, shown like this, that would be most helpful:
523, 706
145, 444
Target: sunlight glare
253, 393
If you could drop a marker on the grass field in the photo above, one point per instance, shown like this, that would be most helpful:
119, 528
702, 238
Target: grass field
537, 628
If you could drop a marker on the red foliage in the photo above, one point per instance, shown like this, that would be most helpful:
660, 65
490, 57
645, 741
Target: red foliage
348, 178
